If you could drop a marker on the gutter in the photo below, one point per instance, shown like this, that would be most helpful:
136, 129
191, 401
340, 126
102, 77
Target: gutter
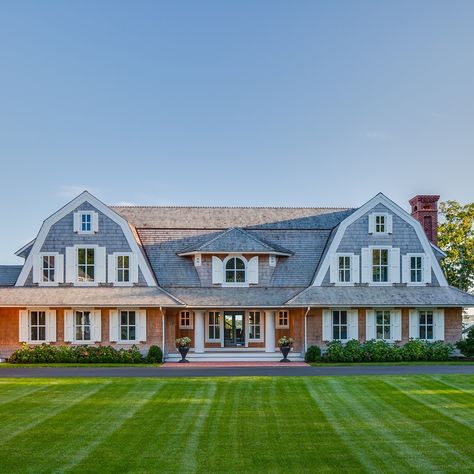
306, 329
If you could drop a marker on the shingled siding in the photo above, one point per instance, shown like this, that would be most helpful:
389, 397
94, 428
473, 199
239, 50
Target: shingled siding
357, 236
62, 235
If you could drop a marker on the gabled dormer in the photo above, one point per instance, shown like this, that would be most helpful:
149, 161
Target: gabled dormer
234, 257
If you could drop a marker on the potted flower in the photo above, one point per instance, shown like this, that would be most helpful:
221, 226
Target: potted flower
285, 344
182, 343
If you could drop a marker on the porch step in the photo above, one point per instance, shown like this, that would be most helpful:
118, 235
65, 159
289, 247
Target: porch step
237, 356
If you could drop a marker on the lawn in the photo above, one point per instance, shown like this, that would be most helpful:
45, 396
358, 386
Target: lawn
252, 424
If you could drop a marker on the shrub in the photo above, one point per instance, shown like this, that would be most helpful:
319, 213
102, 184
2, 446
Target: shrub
335, 352
353, 351
438, 350
313, 354
415, 349
155, 355
466, 346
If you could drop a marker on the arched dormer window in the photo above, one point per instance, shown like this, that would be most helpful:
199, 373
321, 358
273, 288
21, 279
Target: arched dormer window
235, 270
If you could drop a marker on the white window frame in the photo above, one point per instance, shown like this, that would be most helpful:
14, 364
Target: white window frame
214, 325
280, 319
351, 278
432, 325
422, 269
224, 274
347, 325
58, 267
82, 214
119, 313
388, 248
384, 215
260, 325
117, 269
383, 311
189, 316
88, 282
30, 326
50, 269
74, 326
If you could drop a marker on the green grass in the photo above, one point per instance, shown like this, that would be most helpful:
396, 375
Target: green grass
6, 365
335, 364
240, 424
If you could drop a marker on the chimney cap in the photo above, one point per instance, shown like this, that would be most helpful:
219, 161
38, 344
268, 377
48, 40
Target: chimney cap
424, 198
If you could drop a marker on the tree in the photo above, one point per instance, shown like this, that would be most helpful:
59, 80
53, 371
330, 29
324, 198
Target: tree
456, 238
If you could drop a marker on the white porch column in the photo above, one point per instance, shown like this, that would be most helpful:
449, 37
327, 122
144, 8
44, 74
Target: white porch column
199, 331
269, 331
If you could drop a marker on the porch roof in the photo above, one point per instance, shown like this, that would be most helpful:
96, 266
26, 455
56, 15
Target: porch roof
362, 296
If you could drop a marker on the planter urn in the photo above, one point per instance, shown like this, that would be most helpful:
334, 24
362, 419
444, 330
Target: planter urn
285, 350
183, 350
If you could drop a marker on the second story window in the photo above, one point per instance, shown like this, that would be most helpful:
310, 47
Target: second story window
380, 224
416, 269
48, 267
344, 269
86, 222
235, 270
86, 264
123, 268
380, 265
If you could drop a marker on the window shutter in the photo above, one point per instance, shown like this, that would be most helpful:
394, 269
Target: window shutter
71, 258
51, 326
395, 265
96, 330
353, 316
327, 325
414, 327
370, 325
141, 326
111, 268
59, 268
217, 270
366, 265
95, 222
68, 325
23, 335
426, 269
405, 269
133, 269
100, 258
252, 268
334, 269
113, 325
371, 223
396, 325
389, 224
37, 266
77, 222
438, 316
355, 270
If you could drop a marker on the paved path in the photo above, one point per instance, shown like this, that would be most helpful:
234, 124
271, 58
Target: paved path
188, 371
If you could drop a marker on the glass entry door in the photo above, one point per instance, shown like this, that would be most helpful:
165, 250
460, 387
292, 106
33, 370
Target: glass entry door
234, 330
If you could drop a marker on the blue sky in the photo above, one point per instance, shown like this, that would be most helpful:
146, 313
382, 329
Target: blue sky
311, 103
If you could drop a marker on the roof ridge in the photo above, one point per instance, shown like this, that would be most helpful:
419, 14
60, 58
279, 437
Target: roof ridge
342, 208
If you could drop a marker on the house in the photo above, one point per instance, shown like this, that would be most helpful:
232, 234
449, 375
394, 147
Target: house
233, 279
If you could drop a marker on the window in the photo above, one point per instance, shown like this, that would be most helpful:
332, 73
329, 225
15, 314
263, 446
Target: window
214, 326
37, 325
380, 224
128, 326
382, 324
283, 321
380, 265
82, 325
185, 320
416, 269
339, 324
85, 222
123, 268
344, 269
426, 324
235, 270
47, 270
254, 325
85, 264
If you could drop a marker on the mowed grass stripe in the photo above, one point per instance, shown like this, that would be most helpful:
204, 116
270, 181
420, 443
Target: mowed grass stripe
10, 392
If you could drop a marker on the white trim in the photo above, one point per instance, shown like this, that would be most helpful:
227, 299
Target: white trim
374, 216
261, 324
246, 263
191, 315
379, 199
207, 326
118, 339
57, 280
67, 209
131, 263
78, 220
389, 265
423, 263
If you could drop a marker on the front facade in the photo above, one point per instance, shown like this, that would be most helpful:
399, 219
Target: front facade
234, 280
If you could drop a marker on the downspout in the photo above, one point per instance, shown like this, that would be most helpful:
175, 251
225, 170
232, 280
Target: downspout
306, 330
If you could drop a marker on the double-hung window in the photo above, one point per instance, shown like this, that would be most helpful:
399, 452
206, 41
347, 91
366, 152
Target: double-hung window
382, 324
426, 325
416, 269
185, 320
82, 325
128, 326
255, 330
380, 265
344, 268
48, 268
37, 325
123, 268
214, 325
85, 264
283, 322
339, 324
380, 224
86, 222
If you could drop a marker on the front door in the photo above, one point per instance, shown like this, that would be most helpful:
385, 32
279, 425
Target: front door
234, 330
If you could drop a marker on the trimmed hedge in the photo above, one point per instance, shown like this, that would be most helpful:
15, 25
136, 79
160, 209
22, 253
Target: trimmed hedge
382, 351
313, 354
155, 355
466, 346
46, 353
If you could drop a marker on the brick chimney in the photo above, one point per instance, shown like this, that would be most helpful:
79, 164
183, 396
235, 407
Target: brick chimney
424, 208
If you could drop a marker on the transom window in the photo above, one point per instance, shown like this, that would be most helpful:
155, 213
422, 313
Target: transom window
185, 320
416, 269
82, 325
37, 325
86, 221
48, 264
283, 321
123, 268
382, 324
380, 223
339, 324
380, 265
426, 325
344, 270
235, 270
214, 326
128, 326
255, 329
85, 264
